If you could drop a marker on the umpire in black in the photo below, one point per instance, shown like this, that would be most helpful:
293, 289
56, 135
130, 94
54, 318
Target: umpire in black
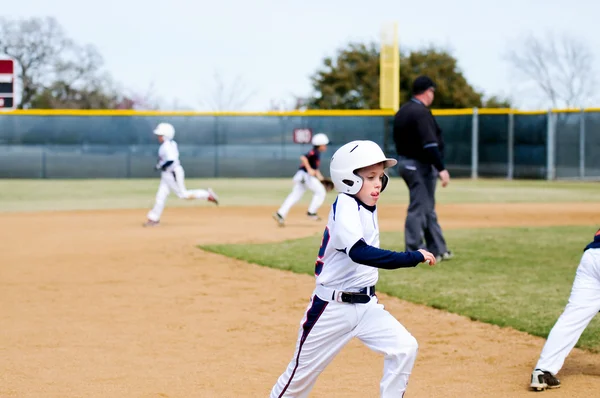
420, 149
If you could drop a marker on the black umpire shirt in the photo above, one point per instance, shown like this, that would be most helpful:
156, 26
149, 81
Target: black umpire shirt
417, 134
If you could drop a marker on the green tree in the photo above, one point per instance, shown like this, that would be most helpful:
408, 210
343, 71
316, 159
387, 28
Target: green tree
350, 80
452, 91
497, 102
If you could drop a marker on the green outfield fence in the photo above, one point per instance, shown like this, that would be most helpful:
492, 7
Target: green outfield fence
501, 143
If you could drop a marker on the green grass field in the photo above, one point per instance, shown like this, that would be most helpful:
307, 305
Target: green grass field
516, 277
38, 195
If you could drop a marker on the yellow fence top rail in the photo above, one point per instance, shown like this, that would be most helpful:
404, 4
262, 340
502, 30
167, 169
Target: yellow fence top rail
307, 113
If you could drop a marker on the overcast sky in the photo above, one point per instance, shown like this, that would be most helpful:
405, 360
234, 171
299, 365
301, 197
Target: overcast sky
273, 47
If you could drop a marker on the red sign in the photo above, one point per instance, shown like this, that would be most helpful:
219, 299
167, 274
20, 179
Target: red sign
302, 136
7, 66
7, 83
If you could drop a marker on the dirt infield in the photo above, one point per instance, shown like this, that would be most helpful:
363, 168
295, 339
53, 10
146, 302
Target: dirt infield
93, 305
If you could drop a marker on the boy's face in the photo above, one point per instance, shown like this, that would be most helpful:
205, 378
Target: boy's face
161, 139
322, 148
372, 181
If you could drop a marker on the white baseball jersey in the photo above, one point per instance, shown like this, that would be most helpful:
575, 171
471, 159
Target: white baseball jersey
168, 151
349, 221
328, 324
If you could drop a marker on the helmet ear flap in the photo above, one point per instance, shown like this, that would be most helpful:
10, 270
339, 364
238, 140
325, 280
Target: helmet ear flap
384, 181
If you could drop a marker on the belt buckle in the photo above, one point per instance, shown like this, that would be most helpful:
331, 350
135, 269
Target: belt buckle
338, 296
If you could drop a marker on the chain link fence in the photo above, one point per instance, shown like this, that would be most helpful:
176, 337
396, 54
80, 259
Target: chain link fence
120, 144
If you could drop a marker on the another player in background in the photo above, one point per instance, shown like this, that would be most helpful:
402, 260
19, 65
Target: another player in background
583, 305
172, 176
309, 177
344, 304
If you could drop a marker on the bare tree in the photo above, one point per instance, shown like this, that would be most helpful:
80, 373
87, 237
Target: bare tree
228, 98
52, 70
35, 44
562, 68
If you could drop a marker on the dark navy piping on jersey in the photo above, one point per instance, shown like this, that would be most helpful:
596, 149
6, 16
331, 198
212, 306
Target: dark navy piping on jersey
312, 316
359, 202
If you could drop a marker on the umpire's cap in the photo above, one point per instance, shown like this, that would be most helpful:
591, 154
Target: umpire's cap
422, 84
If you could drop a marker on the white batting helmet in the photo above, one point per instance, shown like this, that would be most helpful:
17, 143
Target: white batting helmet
166, 130
320, 139
351, 157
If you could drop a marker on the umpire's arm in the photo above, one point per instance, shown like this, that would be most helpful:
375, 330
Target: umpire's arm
427, 128
427, 131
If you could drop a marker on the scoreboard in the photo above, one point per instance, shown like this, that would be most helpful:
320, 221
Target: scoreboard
7, 84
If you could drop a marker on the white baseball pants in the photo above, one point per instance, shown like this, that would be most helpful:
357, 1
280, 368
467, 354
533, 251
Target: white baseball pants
302, 182
173, 181
583, 305
328, 326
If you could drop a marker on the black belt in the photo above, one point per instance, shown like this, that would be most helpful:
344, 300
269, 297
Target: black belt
363, 296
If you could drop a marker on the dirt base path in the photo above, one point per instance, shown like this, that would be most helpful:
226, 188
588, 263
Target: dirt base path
93, 305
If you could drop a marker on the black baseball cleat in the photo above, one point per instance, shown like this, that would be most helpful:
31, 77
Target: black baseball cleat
279, 219
542, 379
313, 216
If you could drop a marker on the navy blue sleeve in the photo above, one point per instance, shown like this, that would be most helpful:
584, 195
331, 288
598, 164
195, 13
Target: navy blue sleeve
362, 253
166, 164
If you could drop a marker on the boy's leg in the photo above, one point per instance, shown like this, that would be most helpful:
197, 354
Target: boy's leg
183, 193
296, 194
382, 333
583, 305
319, 194
161, 198
324, 331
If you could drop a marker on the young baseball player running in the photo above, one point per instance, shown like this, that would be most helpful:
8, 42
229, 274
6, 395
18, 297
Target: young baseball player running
309, 177
172, 175
583, 305
344, 304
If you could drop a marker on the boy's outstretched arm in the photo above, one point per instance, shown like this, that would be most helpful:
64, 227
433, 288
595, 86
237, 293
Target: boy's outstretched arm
362, 253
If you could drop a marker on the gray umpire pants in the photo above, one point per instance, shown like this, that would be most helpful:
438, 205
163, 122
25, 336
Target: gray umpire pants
421, 229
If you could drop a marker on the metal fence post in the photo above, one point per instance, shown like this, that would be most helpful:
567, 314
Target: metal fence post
475, 145
511, 146
44, 172
550, 146
582, 144
216, 135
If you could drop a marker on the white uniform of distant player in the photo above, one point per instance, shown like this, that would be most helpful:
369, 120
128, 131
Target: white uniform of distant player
330, 322
172, 177
583, 305
303, 180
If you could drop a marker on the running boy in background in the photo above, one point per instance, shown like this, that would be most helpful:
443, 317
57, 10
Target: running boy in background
172, 175
309, 177
344, 304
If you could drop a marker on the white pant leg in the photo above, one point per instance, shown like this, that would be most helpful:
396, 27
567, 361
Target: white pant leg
583, 305
161, 198
325, 329
319, 193
382, 333
181, 191
299, 179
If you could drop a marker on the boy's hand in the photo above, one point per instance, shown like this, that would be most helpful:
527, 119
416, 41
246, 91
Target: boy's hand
429, 258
